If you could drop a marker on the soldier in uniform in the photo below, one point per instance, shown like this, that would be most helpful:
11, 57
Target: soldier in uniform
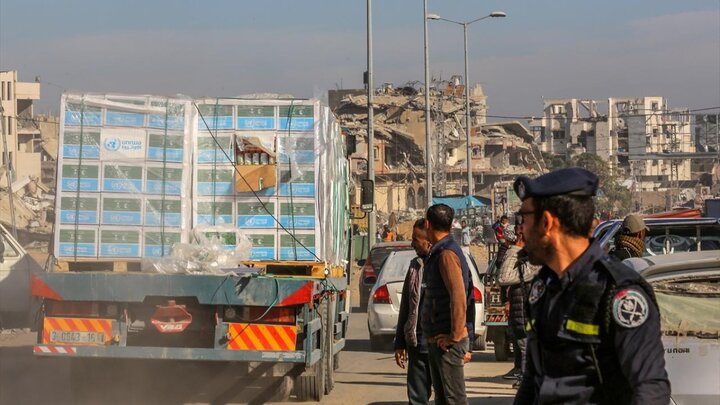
594, 326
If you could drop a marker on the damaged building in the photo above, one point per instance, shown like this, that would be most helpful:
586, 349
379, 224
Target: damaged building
499, 151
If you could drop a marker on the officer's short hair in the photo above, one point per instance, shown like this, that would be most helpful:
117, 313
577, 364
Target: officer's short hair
575, 213
440, 217
419, 224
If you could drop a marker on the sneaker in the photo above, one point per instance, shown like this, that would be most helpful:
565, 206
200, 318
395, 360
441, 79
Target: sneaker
512, 374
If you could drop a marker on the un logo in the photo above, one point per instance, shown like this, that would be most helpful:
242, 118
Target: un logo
112, 144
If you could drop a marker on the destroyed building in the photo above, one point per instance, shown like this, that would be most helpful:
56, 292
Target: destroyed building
499, 151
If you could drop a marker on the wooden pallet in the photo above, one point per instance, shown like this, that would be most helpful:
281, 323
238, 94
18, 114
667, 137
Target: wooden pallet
117, 266
293, 268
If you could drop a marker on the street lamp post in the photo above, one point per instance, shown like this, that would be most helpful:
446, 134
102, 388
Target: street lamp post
428, 158
468, 127
370, 124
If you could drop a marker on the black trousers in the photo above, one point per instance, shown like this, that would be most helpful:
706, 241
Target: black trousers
448, 372
419, 382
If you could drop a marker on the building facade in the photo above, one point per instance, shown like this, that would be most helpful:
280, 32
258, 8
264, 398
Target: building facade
21, 132
641, 137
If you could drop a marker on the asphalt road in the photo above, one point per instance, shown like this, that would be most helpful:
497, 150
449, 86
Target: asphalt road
364, 377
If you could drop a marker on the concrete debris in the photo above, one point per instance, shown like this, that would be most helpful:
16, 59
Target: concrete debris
498, 149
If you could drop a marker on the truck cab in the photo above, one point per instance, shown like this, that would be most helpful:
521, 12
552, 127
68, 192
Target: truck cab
17, 306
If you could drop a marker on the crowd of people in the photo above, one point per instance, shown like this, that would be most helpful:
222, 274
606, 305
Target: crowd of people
586, 327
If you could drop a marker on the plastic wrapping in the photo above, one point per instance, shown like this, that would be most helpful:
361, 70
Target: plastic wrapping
124, 187
208, 253
138, 173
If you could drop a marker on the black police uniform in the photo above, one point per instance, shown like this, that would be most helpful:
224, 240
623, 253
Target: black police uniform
594, 334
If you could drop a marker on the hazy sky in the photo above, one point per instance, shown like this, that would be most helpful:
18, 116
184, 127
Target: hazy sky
551, 49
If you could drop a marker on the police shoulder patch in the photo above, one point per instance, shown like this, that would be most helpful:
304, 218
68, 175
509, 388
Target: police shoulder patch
630, 308
536, 291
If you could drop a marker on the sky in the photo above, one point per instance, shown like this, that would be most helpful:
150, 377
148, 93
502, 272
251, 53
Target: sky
542, 49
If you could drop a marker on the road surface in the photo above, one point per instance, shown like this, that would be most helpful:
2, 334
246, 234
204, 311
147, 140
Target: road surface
364, 377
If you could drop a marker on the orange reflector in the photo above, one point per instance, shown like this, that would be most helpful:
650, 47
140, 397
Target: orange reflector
253, 336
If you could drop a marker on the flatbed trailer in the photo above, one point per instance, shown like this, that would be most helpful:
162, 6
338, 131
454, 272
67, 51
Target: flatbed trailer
297, 323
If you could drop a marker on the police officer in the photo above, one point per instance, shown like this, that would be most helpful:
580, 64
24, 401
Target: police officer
594, 328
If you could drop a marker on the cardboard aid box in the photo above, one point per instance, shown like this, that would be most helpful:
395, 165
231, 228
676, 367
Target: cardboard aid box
264, 243
213, 212
74, 175
292, 248
79, 143
121, 242
297, 213
122, 178
159, 242
215, 149
118, 209
215, 180
81, 209
166, 147
80, 241
164, 179
254, 213
298, 183
161, 211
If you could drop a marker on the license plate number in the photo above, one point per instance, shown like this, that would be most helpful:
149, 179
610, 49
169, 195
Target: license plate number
63, 336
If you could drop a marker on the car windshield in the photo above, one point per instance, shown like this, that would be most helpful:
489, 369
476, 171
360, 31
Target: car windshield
689, 306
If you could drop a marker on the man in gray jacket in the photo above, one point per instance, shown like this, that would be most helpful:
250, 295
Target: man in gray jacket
410, 344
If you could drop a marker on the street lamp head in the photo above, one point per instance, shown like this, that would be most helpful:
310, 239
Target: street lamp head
495, 14
433, 17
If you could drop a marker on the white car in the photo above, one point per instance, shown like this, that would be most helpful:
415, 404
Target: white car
384, 300
687, 288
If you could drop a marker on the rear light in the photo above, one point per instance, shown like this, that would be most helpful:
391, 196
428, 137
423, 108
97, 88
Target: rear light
477, 295
284, 315
274, 315
72, 308
368, 270
382, 296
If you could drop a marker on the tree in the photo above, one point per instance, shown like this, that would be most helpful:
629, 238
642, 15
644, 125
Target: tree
612, 193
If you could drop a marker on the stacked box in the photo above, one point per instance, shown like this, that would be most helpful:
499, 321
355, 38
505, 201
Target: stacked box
139, 172
158, 243
83, 209
120, 242
125, 166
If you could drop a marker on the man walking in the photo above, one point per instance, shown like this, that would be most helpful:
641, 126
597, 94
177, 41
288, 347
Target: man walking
447, 309
516, 274
410, 344
594, 330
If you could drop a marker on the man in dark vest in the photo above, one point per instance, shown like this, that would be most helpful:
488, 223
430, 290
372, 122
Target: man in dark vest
594, 328
447, 315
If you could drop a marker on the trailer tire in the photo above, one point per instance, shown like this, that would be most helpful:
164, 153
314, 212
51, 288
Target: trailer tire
501, 347
328, 357
479, 343
310, 385
284, 389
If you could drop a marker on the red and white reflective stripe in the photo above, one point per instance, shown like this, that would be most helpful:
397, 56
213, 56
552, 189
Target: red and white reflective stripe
55, 349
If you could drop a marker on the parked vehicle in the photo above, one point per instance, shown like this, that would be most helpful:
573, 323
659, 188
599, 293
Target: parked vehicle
687, 289
496, 318
17, 306
668, 235
384, 301
371, 266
